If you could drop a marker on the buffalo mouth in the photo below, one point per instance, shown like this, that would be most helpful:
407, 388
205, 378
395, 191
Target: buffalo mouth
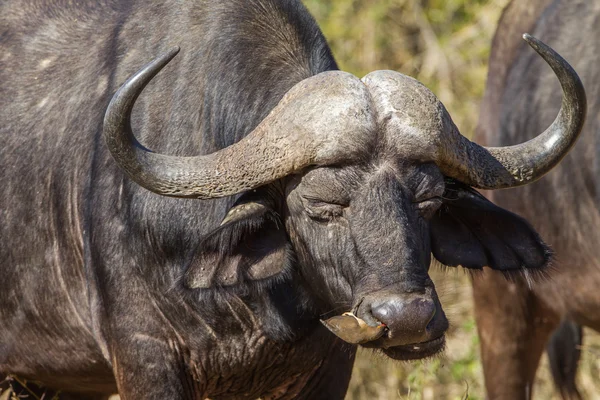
354, 330
416, 351
412, 351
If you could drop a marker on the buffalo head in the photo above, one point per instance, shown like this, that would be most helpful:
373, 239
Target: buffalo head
353, 184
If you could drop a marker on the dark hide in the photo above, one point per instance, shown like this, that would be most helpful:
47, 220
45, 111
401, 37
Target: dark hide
95, 301
516, 319
564, 352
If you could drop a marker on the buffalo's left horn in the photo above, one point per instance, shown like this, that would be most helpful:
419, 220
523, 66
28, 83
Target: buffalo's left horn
504, 167
322, 120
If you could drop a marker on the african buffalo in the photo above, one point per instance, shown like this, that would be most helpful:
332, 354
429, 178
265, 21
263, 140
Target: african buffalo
323, 197
516, 318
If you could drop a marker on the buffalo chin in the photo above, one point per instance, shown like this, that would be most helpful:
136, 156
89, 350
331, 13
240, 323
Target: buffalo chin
416, 351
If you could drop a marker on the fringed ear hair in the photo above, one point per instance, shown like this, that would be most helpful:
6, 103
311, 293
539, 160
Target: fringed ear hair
250, 245
473, 232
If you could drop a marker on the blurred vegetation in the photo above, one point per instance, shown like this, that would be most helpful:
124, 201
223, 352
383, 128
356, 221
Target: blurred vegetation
445, 44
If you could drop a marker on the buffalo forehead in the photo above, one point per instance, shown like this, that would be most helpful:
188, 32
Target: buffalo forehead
410, 117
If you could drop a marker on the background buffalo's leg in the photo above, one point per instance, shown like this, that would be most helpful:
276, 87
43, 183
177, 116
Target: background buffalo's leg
564, 351
331, 379
513, 328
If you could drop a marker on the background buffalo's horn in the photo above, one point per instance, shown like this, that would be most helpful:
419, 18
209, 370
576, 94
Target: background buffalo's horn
504, 167
324, 119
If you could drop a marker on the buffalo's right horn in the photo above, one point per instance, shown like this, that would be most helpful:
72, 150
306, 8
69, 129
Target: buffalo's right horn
322, 120
510, 166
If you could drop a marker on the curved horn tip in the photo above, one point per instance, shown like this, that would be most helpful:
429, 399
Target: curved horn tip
173, 52
544, 50
152, 68
164, 58
535, 43
134, 85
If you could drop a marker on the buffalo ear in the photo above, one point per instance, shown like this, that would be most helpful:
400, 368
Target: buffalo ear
250, 245
471, 231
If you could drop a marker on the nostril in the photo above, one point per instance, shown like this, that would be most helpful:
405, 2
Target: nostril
383, 312
431, 321
408, 319
414, 316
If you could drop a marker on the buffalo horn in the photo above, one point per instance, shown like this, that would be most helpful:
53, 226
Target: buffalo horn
309, 126
510, 166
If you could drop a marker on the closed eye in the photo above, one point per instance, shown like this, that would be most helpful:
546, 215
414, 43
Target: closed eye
427, 207
323, 211
317, 202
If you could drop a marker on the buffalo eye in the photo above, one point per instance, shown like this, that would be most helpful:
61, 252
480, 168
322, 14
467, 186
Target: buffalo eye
428, 207
429, 190
322, 211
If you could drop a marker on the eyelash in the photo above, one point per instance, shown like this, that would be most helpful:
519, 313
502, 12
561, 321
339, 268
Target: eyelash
428, 206
324, 212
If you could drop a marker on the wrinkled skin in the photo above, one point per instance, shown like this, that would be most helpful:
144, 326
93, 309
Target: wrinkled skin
114, 288
393, 200
383, 217
563, 206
